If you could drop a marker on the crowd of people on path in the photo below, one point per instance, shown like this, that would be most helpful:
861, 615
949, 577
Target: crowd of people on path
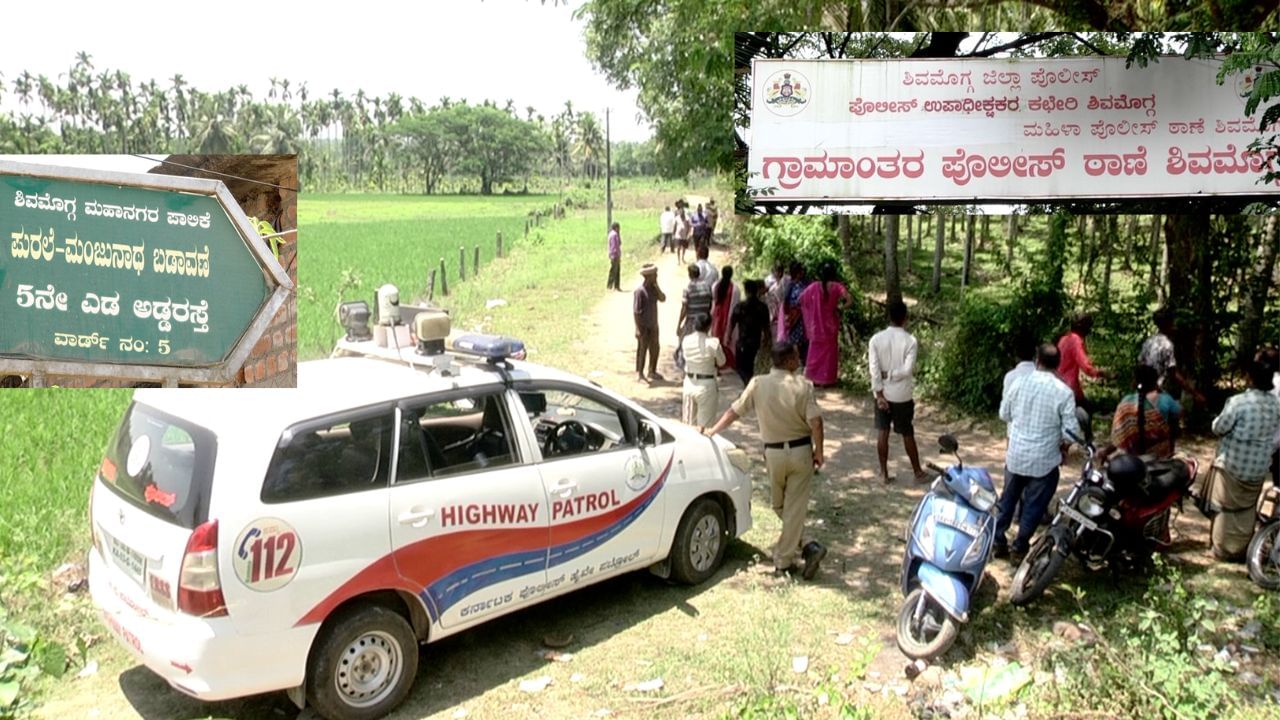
679, 228
781, 336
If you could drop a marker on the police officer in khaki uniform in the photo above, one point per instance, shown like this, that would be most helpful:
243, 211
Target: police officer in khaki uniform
791, 428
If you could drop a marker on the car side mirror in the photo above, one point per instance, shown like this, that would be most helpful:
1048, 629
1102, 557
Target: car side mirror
948, 443
649, 433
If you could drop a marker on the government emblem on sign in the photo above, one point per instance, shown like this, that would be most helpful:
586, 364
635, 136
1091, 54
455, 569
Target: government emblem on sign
787, 92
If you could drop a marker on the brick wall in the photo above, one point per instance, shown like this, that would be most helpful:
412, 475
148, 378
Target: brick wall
273, 361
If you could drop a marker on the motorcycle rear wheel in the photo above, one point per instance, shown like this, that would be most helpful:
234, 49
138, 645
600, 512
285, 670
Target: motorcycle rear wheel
929, 637
1038, 569
1262, 554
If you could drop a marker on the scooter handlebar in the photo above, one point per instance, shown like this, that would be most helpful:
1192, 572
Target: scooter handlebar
935, 468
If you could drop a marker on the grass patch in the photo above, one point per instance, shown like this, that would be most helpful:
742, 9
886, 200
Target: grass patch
53, 441
357, 243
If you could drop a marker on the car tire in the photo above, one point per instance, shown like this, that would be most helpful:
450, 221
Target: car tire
363, 665
701, 537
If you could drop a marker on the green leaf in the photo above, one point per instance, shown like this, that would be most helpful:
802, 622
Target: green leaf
53, 659
8, 693
24, 634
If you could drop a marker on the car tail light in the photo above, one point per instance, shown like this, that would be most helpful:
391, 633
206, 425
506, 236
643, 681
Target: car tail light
199, 590
107, 470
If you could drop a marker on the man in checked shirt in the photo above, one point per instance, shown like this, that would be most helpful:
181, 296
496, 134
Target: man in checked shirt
1041, 412
1248, 426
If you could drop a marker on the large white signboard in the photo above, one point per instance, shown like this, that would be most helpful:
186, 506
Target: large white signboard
1021, 129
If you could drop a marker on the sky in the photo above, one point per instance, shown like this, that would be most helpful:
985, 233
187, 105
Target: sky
525, 50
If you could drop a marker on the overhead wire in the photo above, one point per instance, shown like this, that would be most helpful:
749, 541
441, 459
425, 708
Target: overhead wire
215, 172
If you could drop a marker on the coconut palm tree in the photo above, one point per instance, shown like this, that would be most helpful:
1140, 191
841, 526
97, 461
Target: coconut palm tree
590, 144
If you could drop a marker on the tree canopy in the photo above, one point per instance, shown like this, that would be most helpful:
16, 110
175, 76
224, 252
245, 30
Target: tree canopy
344, 141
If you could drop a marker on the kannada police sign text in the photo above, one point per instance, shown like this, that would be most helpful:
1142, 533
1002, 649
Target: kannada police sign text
1013, 129
114, 268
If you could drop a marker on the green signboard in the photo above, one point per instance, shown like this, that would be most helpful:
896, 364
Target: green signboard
137, 270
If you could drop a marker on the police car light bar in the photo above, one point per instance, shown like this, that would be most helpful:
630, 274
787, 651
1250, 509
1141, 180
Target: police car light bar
490, 347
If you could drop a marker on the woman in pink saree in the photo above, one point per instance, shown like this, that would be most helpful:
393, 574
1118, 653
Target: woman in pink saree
822, 304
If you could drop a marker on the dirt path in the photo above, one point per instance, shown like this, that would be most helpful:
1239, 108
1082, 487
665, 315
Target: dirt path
859, 518
862, 521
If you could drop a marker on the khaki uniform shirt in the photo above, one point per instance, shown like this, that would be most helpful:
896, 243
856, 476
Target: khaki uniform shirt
784, 403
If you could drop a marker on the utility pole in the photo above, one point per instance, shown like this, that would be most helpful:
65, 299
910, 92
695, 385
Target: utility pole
608, 175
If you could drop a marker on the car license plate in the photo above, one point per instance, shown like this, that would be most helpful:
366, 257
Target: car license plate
128, 560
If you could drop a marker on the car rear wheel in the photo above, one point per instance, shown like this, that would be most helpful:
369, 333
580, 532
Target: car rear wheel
700, 542
364, 664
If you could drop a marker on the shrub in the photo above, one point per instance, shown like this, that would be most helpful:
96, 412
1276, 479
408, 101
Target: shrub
809, 239
1158, 664
980, 344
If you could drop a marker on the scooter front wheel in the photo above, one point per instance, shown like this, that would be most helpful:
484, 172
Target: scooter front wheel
925, 630
1038, 569
1263, 556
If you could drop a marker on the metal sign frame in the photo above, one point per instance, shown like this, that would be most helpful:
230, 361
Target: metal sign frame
169, 376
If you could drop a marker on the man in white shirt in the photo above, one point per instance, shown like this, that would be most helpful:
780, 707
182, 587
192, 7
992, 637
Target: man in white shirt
667, 227
703, 357
1026, 365
708, 272
892, 357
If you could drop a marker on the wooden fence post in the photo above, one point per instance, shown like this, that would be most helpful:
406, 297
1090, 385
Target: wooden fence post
444, 280
475, 262
499, 243
462, 264
431, 286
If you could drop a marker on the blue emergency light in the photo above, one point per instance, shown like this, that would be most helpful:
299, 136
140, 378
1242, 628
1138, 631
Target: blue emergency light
490, 347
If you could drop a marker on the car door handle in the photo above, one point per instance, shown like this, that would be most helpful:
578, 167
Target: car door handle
565, 487
416, 517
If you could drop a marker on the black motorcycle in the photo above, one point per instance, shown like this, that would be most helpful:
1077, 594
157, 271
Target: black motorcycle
1121, 510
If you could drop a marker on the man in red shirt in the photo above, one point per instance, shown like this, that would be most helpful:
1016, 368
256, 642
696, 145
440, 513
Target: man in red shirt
1075, 359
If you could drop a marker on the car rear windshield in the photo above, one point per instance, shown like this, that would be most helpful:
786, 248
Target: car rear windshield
162, 464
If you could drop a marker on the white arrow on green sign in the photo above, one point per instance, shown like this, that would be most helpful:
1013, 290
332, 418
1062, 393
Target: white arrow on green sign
130, 276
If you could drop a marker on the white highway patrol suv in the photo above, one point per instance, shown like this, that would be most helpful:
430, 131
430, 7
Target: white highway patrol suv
247, 541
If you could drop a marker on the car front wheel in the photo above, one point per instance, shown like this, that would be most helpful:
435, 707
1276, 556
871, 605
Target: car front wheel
363, 665
700, 542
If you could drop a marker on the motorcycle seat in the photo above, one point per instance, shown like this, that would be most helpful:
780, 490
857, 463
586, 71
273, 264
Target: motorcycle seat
1166, 475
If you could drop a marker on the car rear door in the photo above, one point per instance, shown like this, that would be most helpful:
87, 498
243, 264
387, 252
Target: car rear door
469, 515
151, 491
315, 535
606, 499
